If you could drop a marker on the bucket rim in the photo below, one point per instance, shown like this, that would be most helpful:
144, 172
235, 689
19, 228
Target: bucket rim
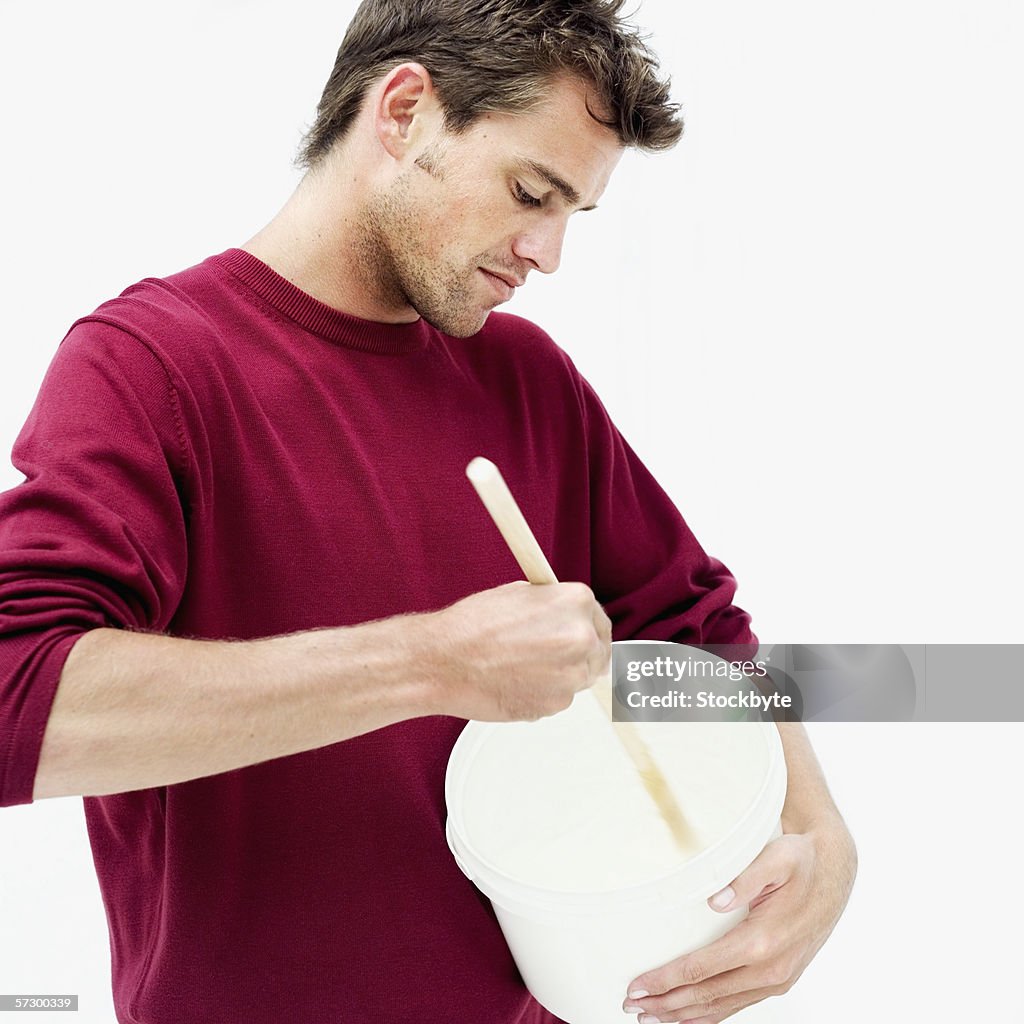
758, 822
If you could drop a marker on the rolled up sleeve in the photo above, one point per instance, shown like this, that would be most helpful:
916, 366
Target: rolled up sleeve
96, 534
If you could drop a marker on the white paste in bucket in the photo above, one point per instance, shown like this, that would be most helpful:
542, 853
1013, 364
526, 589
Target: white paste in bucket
558, 804
550, 820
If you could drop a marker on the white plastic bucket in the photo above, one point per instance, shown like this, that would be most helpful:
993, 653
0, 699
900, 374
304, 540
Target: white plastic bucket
577, 950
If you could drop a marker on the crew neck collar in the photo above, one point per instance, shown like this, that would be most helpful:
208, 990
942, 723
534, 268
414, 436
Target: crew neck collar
316, 316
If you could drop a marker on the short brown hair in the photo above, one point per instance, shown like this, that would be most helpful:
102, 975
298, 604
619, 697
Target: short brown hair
498, 56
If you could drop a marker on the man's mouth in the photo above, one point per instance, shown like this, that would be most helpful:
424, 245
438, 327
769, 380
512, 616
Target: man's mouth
504, 285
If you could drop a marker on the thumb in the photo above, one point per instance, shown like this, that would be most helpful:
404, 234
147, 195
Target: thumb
769, 870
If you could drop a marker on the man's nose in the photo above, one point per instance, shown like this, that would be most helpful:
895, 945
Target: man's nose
541, 243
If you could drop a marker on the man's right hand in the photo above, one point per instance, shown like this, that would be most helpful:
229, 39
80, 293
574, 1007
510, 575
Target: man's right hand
517, 652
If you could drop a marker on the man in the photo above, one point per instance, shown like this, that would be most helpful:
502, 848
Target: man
247, 599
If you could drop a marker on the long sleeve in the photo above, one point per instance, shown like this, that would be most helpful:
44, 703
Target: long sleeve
95, 534
653, 577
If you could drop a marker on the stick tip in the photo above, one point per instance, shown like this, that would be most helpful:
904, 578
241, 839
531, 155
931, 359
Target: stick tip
481, 469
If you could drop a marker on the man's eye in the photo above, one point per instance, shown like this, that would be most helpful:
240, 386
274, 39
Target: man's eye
524, 197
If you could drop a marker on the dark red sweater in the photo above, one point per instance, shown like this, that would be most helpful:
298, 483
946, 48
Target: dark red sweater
218, 454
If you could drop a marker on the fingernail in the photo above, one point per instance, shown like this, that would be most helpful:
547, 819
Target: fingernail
722, 899
638, 993
647, 1018
630, 1008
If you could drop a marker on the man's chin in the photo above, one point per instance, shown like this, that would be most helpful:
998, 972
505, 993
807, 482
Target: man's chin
461, 328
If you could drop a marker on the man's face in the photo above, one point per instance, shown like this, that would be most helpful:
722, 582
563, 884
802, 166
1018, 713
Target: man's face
472, 214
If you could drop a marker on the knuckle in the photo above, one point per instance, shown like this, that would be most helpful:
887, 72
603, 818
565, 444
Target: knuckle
779, 976
587, 636
691, 973
516, 707
577, 635
705, 999
559, 700
785, 986
759, 948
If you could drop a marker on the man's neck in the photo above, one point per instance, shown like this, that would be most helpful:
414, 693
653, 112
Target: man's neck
314, 242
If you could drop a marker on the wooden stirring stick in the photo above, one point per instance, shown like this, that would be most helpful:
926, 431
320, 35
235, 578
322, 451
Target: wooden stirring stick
508, 517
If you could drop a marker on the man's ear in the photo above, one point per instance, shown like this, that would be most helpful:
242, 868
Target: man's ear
404, 101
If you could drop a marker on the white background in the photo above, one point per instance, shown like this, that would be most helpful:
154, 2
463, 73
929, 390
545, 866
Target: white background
805, 320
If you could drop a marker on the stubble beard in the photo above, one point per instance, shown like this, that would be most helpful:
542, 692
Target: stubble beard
401, 271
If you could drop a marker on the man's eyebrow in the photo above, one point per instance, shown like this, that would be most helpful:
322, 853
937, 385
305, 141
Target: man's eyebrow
558, 183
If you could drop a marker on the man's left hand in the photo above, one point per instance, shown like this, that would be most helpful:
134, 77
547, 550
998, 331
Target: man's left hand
796, 888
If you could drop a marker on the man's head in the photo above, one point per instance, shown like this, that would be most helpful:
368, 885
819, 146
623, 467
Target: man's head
498, 56
474, 128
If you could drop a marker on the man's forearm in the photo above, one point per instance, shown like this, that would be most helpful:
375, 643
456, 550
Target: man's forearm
810, 810
808, 801
134, 710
